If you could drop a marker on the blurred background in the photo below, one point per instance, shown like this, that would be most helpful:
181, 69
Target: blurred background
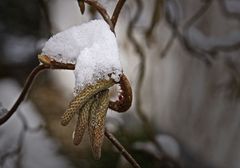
182, 59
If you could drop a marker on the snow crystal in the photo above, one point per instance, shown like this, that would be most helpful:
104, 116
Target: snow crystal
92, 47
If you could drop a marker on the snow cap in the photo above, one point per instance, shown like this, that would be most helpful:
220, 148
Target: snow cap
92, 47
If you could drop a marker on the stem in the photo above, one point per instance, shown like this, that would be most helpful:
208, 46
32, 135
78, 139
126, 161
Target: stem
26, 87
121, 149
117, 11
95, 4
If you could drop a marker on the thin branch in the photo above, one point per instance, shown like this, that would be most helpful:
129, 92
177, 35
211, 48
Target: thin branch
121, 149
26, 87
117, 11
102, 11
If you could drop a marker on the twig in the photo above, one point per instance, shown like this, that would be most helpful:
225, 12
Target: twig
112, 23
117, 11
55, 65
102, 11
26, 87
121, 149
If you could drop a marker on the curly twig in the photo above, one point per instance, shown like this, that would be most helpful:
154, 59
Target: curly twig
51, 64
28, 83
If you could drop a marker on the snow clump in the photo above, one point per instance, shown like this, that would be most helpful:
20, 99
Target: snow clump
92, 47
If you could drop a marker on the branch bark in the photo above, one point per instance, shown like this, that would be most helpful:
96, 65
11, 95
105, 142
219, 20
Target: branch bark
117, 11
95, 4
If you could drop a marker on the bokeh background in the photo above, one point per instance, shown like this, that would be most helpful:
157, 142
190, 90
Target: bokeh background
182, 59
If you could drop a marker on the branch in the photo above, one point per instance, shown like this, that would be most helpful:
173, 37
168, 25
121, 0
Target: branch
26, 87
102, 11
121, 149
117, 11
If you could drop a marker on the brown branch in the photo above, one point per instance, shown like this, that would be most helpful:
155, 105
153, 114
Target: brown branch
26, 87
121, 149
117, 11
125, 97
102, 11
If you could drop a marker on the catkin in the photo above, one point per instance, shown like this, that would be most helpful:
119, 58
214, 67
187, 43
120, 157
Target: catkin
83, 97
97, 122
82, 122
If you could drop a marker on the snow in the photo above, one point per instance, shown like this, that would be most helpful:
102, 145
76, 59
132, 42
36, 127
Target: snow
92, 47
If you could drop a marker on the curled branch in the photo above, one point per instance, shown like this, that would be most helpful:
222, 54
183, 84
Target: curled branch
51, 64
